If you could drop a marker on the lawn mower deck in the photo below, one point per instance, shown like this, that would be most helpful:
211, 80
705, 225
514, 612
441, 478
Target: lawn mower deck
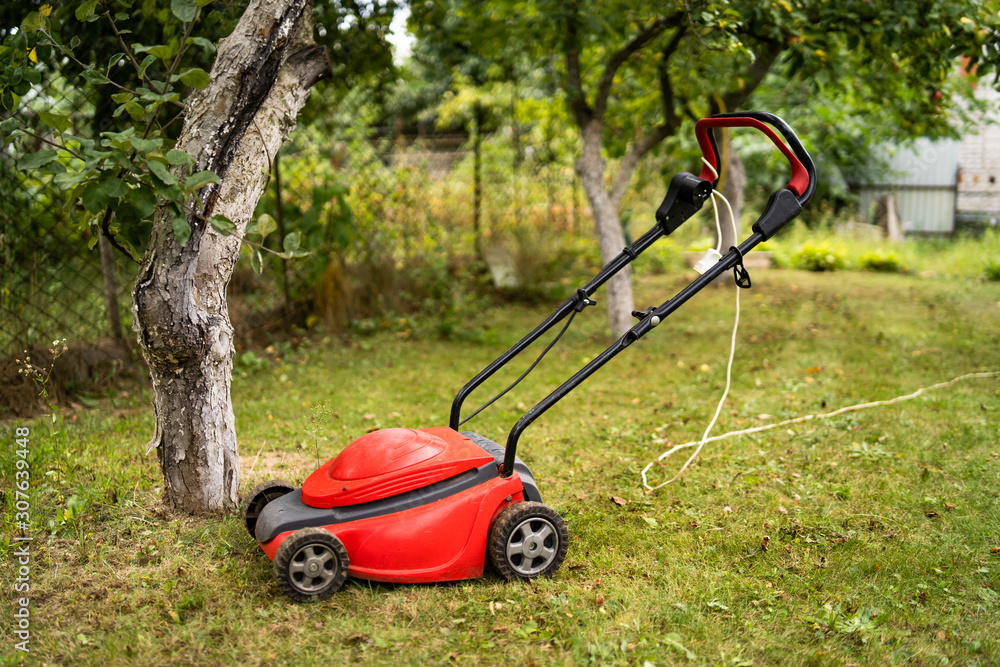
428, 505
413, 506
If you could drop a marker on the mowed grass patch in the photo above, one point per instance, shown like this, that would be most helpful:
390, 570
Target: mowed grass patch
864, 539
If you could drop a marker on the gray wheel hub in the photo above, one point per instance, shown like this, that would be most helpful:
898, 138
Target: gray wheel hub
532, 546
313, 567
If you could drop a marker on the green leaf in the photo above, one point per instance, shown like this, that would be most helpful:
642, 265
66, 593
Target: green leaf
265, 225
291, 242
199, 180
135, 110
161, 51
9, 125
113, 186
185, 10
33, 22
86, 10
146, 62
36, 160
256, 261
122, 98
145, 145
114, 60
222, 224
56, 121
159, 170
95, 199
176, 157
143, 199
75, 42
95, 77
195, 78
182, 231
201, 41
70, 179
32, 76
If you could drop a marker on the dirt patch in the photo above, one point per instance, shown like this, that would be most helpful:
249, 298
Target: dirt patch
290, 466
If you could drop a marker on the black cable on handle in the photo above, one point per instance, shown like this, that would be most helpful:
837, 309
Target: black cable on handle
525, 373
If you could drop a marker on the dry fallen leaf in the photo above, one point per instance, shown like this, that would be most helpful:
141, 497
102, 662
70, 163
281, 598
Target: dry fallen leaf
949, 506
765, 542
995, 550
621, 502
814, 369
782, 509
727, 510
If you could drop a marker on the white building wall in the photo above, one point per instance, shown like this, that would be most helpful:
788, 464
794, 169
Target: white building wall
979, 164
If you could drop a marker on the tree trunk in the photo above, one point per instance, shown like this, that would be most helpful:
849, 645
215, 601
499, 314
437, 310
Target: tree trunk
733, 184
259, 82
590, 166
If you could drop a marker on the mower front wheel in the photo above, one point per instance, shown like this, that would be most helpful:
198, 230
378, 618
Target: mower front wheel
257, 499
311, 565
527, 540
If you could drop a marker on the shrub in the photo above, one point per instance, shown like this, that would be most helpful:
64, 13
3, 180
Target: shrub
664, 256
822, 257
992, 270
884, 262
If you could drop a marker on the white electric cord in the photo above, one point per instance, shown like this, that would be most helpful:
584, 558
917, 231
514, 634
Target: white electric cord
823, 415
732, 345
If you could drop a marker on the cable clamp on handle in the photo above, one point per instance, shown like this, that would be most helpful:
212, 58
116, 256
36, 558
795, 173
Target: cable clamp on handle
740, 273
582, 300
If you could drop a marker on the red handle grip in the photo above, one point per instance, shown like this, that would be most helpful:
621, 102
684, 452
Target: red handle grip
800, 177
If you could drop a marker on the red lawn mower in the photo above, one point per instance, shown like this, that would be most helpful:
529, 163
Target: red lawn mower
426, 505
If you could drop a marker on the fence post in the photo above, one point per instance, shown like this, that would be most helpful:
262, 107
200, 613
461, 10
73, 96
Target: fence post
111, 291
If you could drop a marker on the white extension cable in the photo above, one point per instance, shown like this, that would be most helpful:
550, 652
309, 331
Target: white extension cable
822, 415
732, 345
700, 444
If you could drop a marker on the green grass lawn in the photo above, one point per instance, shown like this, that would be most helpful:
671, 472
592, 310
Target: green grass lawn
864, 539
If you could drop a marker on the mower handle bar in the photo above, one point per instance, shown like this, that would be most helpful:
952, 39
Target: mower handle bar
685, 197
803, 181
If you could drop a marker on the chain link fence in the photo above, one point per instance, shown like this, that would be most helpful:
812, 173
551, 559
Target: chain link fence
397, 224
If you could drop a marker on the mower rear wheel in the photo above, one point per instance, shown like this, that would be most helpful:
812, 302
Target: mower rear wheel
527, 540
257, 499
311, 565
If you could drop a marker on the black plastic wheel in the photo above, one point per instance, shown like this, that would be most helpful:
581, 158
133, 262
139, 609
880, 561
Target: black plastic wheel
256, 500
527, 540
311, 565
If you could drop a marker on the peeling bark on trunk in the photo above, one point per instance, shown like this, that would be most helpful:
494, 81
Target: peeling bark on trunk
590, 167
259, 82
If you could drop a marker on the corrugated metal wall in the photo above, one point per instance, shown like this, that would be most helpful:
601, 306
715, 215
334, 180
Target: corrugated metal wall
923, 178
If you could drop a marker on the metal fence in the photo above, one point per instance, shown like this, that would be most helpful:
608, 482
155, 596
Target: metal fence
53, 284
413, 203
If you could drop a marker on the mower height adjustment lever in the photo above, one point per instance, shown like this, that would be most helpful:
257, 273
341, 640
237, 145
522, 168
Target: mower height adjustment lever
643, 314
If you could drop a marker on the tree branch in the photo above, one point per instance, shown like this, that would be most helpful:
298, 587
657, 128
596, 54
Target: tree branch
665, 129
645, 36
106, 232
571, 46
666, 89
755, 73
631, 160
